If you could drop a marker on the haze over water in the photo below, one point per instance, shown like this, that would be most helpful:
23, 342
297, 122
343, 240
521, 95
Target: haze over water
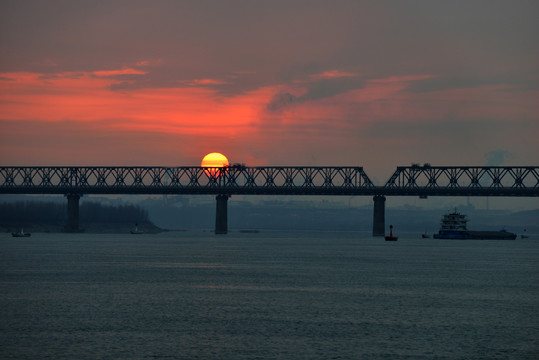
274, 295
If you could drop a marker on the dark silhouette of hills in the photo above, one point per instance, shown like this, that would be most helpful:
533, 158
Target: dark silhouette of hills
37, 216
184, 212
297, 216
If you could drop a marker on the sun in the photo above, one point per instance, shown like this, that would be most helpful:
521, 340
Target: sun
214, 161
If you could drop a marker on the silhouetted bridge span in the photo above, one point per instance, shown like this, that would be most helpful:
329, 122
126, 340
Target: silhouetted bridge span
415, 180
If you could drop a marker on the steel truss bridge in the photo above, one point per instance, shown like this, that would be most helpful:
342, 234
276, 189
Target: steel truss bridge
415, 180
242, 180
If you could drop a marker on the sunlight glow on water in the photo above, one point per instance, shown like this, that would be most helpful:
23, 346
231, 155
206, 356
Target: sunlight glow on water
267, 296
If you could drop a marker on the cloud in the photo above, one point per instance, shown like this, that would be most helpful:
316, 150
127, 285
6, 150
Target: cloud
204, 82
143, 63
87, 98
349, 86
332, 74
352, 82
106, 142
404, 78
315, 87
281, 101
498, 157
124, 71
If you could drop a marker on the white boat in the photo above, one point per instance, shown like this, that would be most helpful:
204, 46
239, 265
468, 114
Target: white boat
21, 234
136, 230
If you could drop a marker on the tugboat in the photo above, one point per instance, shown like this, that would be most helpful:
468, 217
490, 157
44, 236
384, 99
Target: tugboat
21, 234
454, 226
391, 237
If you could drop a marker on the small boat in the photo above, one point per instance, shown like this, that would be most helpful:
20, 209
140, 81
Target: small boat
524, 236
21, 234
425, 235
391, 237
136, 230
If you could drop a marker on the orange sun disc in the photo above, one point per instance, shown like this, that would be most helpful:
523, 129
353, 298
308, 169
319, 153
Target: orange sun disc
213, 161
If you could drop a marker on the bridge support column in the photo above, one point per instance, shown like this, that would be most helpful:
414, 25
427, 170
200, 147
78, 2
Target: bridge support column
221, 216
379, 216
72, 224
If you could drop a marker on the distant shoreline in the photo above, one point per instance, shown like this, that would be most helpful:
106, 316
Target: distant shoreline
51, 217
89, 228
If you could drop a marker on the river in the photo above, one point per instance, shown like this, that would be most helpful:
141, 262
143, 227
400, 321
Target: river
267, 295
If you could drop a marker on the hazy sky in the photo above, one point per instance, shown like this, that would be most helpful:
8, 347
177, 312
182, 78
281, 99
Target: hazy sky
363, 83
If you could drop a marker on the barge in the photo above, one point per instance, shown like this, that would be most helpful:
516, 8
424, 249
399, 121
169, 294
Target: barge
454, 226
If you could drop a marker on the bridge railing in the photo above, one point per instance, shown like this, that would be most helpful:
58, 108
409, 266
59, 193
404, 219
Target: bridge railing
235, 179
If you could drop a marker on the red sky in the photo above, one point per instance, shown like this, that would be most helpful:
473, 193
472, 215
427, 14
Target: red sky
373, 84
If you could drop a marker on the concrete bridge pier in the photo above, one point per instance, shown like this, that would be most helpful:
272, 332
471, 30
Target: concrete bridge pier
72, 224
221, 216
379, 216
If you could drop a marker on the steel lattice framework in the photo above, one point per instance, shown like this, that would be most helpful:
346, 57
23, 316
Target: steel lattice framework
185, 180
463, 181
406, 181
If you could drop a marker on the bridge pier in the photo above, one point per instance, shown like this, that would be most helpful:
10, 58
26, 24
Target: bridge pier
72, 224
221, 215
379, 216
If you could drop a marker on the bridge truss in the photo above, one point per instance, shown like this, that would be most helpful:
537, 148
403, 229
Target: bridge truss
463, 181
185, 180
413, 180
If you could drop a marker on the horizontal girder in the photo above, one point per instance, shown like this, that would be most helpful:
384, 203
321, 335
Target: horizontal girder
406, 181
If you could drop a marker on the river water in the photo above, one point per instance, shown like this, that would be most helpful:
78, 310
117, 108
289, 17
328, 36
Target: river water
268, 295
